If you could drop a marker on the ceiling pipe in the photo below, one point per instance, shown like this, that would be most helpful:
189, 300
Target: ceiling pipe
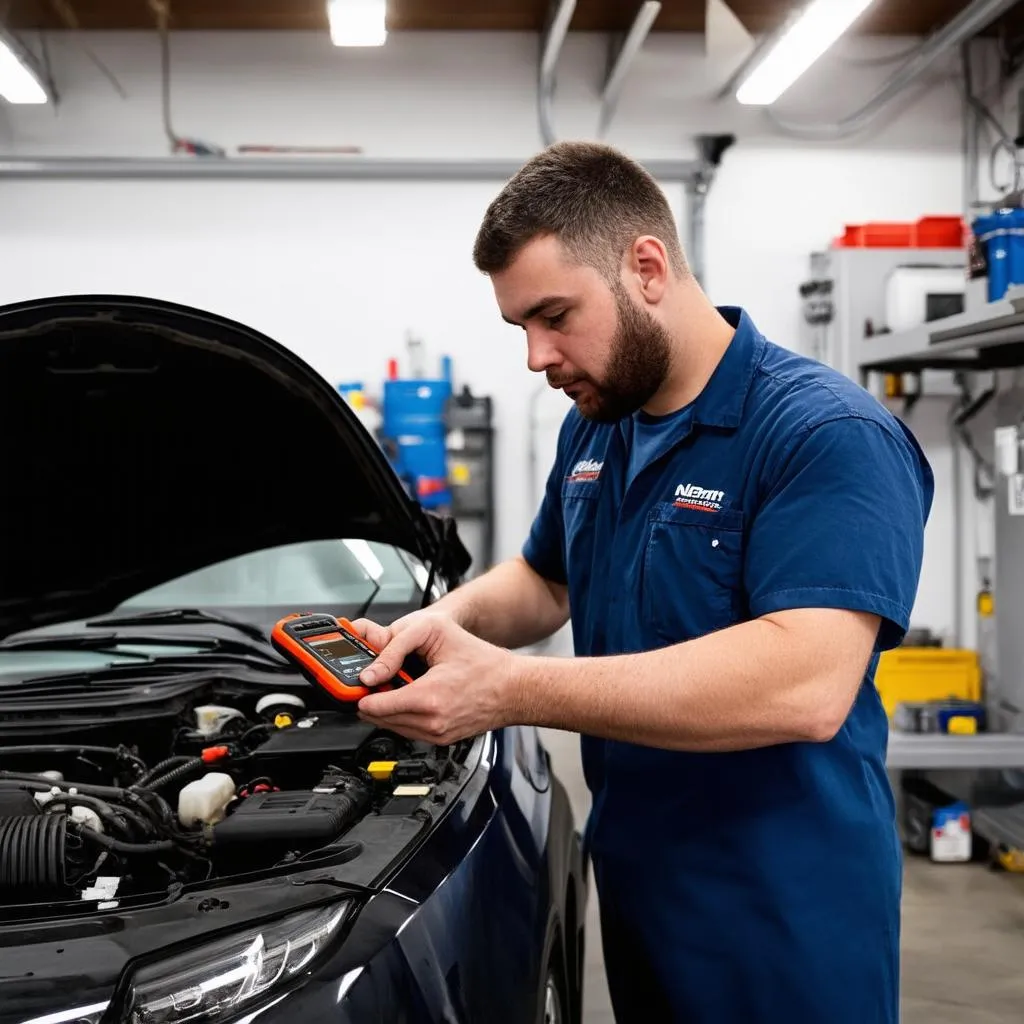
620, 61
560, 14
967, 24
314, 169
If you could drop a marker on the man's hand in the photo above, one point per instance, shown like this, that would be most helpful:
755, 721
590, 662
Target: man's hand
466, 690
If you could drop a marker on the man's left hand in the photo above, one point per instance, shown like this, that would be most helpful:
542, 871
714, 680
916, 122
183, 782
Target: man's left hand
466, 691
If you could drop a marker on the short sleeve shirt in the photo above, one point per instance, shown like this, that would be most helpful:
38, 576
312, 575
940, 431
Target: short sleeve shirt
783, 485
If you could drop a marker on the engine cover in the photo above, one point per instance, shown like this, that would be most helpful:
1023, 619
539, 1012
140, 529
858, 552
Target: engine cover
291, 817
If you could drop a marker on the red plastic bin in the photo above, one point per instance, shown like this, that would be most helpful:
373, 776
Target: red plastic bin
929, 232
940, 232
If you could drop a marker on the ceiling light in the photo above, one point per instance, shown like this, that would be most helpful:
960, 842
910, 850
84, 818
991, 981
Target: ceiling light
18, 84
811, 33
357, 22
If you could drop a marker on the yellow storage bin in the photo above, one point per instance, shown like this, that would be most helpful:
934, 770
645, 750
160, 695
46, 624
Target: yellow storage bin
927, 673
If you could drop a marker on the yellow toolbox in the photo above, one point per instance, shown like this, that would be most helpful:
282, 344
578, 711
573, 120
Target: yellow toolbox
927, 673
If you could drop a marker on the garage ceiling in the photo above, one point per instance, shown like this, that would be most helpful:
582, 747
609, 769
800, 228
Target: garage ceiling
886, 16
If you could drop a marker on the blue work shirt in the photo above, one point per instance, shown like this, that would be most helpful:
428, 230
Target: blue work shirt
764, 883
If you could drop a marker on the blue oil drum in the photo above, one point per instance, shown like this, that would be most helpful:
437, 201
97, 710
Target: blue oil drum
413, 420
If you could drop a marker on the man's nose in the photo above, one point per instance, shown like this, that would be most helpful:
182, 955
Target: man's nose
541, 354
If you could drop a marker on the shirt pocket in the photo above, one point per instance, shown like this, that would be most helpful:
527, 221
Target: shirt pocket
693, 571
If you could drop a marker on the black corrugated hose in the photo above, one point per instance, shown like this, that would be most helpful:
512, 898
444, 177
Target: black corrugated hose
155, 771
32, 852
178, 773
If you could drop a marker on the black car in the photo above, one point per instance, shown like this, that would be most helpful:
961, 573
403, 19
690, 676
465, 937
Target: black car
189, 831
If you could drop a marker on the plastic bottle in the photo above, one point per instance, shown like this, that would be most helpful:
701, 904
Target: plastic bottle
206, 800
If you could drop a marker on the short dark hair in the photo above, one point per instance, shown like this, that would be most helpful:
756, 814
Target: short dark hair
593, 198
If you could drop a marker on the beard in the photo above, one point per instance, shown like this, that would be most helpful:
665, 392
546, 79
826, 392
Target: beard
637, 366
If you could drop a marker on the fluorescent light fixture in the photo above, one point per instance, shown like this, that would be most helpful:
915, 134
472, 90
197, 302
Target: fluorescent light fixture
816, 28
357, 22
18, 84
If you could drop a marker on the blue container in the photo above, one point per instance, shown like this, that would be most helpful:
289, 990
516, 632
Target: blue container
413, 419
412, 406
1015, 237
993, 232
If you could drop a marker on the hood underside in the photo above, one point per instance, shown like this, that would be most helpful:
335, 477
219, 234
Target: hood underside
142, 440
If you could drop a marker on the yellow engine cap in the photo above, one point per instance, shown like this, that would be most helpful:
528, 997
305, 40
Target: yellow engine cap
381, 769
283, 720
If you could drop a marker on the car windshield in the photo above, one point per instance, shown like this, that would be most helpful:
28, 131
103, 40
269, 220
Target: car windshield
339, 576
334, 573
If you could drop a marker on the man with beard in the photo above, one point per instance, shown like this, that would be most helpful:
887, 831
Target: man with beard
735, 532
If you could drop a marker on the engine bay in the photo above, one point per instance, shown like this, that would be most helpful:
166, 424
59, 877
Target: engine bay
229, 780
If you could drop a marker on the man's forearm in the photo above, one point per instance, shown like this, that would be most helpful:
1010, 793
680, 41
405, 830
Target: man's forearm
755, 684
509, 605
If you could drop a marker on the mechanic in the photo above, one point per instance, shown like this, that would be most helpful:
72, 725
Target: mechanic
735, 532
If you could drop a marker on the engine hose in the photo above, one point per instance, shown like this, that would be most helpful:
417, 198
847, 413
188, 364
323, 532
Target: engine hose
32, 850
180, 772
157, 809
43, 783
103, 810
145, 826
107, 814
155, 771
263, 727
117, 845
161, 813
121, 753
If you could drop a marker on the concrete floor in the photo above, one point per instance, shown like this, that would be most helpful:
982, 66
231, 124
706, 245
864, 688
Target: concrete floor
963, 932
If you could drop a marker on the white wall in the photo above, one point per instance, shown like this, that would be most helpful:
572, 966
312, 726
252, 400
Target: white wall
341, 271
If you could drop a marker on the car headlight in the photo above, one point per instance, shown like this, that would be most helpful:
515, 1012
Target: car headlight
220, 979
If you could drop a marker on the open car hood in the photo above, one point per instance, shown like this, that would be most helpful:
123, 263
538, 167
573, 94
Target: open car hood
142, 440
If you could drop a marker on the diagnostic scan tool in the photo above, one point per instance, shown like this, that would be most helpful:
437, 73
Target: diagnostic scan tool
330, 654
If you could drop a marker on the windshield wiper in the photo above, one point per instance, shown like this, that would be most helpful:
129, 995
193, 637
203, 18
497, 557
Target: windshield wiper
187, 616
209, 647
159, 672
107, 644
365, 606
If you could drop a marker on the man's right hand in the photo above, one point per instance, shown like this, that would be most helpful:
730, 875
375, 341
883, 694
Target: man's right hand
379, 636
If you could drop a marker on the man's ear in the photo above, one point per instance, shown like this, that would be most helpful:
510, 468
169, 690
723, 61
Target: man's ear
648, 266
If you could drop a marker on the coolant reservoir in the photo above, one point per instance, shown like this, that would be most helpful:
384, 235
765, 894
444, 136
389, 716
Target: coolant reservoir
211, 718
206, 800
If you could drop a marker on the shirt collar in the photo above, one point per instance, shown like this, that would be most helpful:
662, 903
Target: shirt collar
721, 402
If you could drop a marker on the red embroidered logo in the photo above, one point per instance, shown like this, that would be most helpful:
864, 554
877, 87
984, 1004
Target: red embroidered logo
586, 470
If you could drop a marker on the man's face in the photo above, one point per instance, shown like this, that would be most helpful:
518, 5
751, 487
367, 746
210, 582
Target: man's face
594, 342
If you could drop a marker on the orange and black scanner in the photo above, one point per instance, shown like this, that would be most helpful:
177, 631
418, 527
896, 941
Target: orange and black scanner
330, 654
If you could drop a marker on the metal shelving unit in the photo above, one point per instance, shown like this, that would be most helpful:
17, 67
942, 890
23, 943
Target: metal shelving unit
469, 420
983, 339
1000, 824
939, 751
988, 338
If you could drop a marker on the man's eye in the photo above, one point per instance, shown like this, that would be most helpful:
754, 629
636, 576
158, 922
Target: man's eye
554, 321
